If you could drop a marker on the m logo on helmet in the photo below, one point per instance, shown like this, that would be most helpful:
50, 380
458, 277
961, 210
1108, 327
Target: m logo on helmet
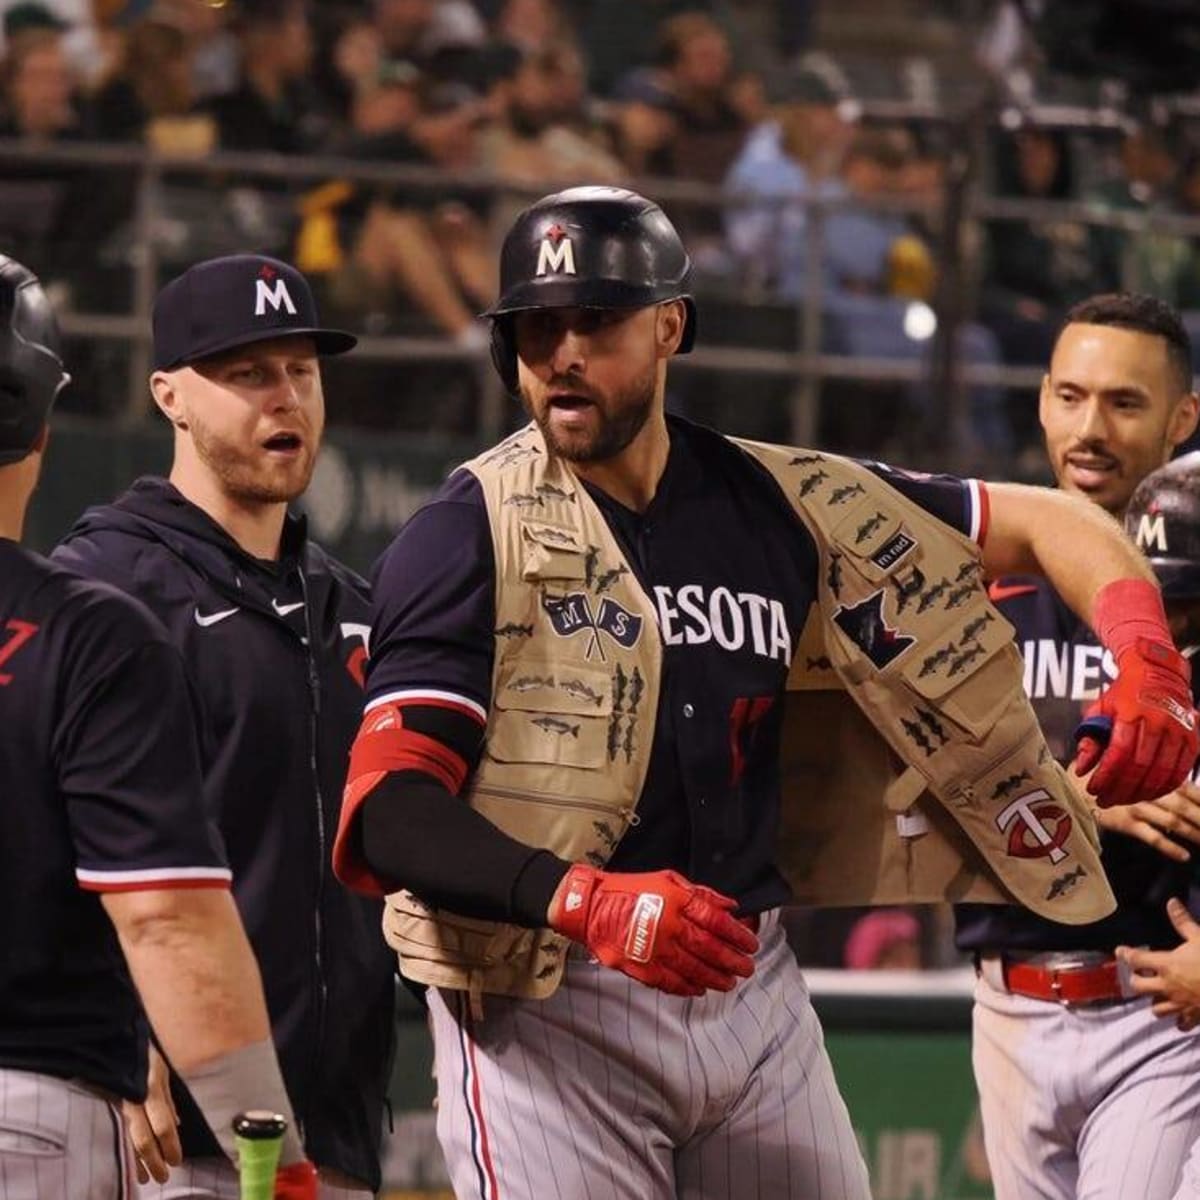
1152, 531
556, 254
276, 296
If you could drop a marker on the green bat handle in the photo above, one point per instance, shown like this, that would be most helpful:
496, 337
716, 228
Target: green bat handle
259, 1136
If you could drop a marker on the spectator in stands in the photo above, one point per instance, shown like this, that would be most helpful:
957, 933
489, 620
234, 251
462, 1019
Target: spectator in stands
535, 139
699, 109
1145, 181
152, 96
39, 96
530, 25
397, 243
884, 939
86, 25
274, 108
212, 44
348, 66
42, 206
1037, 268
441, 38
620, 35
874, 269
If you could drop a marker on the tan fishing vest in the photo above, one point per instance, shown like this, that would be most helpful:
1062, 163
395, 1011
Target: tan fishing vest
913, 766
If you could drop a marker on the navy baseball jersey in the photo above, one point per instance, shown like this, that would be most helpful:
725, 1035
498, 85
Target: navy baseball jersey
275, 650
99, 791
732, 573
1065, 670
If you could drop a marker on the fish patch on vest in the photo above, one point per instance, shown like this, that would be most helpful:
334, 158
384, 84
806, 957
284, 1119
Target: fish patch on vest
864, 624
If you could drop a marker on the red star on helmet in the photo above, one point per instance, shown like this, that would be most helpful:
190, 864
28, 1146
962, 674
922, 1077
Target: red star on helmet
267, 271
556, 233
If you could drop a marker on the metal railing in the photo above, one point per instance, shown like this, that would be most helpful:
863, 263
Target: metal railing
806, 366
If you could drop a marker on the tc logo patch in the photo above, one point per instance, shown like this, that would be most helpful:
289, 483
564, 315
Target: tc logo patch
864, 624
1036, 826
572, 613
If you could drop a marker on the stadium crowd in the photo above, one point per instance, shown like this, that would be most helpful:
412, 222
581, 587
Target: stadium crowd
513, 94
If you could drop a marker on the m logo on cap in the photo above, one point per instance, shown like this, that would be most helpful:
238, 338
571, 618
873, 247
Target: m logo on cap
276, 296
556, 252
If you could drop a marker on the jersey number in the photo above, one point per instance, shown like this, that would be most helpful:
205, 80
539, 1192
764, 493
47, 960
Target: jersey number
19, 633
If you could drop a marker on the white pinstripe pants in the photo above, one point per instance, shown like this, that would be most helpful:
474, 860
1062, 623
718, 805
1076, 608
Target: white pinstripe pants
59, 1140
610, 1090
1088, 1102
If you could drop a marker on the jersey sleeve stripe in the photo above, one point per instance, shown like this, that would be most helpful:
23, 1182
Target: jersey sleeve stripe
431, 696
978, 511
154, 877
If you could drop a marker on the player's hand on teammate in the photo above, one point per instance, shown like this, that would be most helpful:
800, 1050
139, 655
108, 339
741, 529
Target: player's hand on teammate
1171, 977
657, 927
153, 1126
1153, 742
1165, 823
297, 1181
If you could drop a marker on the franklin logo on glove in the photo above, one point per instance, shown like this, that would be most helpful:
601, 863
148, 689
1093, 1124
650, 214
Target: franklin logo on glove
679, 937
646, 915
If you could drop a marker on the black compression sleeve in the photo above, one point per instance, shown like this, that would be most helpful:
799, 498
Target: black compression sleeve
461, 861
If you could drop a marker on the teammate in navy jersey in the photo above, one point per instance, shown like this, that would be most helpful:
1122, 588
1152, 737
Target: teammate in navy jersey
273, 632
713, 1080
102, 828
1069, 1106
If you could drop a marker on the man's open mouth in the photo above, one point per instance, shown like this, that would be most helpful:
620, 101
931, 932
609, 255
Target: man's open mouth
284, 441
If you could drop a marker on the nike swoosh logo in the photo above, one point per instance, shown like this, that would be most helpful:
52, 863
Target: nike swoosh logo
284, 609
212, 618
1007, 591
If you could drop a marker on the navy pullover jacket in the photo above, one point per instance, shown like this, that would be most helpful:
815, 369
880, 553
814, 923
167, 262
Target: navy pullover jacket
276, 651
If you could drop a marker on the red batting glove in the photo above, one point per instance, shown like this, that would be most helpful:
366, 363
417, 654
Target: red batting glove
1154, 742
297, 1181
657, 927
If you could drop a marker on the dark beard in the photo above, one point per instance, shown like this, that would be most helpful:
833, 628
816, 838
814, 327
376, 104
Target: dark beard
632, 408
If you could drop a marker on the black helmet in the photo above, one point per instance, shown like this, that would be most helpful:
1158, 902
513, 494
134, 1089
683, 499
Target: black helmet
1164, 519
588, 247
31, 368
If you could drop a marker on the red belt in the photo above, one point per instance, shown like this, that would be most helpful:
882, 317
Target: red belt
1082, 984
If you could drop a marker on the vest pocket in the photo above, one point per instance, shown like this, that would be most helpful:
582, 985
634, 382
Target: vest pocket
551, 713
980, 654
552, 552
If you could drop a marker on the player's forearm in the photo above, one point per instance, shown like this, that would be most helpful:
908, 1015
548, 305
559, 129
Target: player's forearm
194, 970
200, 986
459, 861
1077, 546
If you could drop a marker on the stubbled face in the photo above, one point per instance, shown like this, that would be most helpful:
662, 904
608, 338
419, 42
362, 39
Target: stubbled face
589, 376
1112, 410
255, 416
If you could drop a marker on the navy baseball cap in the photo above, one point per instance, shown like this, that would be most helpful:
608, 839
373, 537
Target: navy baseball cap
222, 303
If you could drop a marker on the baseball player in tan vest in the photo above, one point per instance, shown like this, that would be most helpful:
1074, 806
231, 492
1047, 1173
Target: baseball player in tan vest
569, 773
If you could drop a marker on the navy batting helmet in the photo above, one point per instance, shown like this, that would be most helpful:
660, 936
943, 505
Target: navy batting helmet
31, 368
1164, 519
588, 247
